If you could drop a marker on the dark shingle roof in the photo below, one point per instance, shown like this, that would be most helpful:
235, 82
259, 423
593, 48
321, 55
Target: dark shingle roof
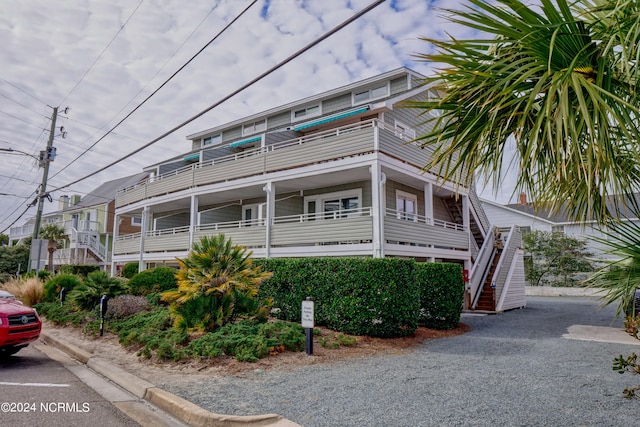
106, 191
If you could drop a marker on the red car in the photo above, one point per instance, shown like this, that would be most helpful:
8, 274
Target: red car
19, 325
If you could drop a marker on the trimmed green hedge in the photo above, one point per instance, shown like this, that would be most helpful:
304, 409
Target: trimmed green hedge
51, 290
359, 296
154, 280
441, 294
365, 296
129, 270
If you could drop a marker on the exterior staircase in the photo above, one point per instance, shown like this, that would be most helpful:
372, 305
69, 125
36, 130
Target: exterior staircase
487, 298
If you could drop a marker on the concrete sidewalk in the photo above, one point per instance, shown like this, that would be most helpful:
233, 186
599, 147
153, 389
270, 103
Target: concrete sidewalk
183, 410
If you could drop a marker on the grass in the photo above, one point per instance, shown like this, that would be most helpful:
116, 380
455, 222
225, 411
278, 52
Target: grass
29, 291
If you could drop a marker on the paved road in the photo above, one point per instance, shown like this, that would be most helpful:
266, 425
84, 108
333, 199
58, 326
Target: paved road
514, 369
38, 391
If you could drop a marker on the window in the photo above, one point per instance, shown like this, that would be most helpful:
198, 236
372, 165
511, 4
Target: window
254, 127
557, 229
374, 93
136, 221
305, 113
406, 206
212, 140
341, 204
253, 214
404, 132
340, 208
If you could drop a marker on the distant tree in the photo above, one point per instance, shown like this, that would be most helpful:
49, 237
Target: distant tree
53, 233
13, 259
554, 258
4, 240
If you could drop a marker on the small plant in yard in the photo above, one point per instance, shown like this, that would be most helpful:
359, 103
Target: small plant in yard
629, 364
123, 306
53, 286
87, 295
337, 340
217, 283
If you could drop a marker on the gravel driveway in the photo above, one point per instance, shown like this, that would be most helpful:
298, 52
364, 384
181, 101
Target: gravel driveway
513, 369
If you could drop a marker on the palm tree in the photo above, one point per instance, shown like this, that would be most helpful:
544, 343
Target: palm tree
559, 82
216, 283
621, 277
53, 233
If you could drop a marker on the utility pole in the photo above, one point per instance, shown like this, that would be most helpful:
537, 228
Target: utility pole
49, 153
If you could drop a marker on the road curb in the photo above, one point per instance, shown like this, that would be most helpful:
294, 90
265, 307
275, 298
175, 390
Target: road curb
178, 407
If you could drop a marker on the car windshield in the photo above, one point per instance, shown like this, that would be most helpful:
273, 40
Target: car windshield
6, 295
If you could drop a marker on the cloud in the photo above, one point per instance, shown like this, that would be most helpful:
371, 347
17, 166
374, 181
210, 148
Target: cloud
49, 46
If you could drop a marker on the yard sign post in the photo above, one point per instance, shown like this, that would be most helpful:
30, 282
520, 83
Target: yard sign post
307, 323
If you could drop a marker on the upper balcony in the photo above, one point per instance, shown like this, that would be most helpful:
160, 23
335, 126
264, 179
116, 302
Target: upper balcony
330, 145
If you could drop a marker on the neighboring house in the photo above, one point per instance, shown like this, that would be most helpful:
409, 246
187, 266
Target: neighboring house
18, 234
529, 217
334, 174
88, 224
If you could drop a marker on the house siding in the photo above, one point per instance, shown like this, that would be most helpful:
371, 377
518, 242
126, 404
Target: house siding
221, 213
171, 221
338, 103
398, 85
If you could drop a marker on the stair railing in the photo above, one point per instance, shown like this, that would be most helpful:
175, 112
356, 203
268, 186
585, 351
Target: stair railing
512, 244
479, 270
478, 212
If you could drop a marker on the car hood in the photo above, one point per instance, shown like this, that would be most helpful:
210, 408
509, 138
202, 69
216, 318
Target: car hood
11, 307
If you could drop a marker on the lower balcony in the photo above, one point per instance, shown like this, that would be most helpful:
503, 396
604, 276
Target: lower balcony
304, 234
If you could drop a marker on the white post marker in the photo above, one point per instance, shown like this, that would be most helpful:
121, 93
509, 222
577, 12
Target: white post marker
307, 321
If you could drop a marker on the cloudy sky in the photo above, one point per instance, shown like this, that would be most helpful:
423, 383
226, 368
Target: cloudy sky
101, 58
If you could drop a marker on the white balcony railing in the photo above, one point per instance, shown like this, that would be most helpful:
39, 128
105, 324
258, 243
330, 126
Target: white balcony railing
346, 226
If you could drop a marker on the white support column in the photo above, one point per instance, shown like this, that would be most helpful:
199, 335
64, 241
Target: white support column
378, 180
428, 202
270, 189
193, 219
143, 231
116, 228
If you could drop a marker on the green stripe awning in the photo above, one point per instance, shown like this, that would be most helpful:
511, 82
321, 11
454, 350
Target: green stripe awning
190, 157
245, 141
332, 118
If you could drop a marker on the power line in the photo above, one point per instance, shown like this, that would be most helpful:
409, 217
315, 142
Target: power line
102, 53
159, 70
23, 91
235, 92
160, 87
22, 105
22, 120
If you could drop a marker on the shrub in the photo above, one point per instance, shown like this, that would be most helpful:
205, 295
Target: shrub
79, 269
61, 314
130, 269
357, 296
441, 294
43, 275
249, 341
123, 306
87, 295
154, 280
53, 286
217, 282
28, 291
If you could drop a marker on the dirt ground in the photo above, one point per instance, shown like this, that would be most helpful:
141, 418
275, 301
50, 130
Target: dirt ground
107, 347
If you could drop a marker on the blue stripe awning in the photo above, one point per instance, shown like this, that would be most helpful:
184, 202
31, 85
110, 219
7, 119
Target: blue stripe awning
332, 118
245, 141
